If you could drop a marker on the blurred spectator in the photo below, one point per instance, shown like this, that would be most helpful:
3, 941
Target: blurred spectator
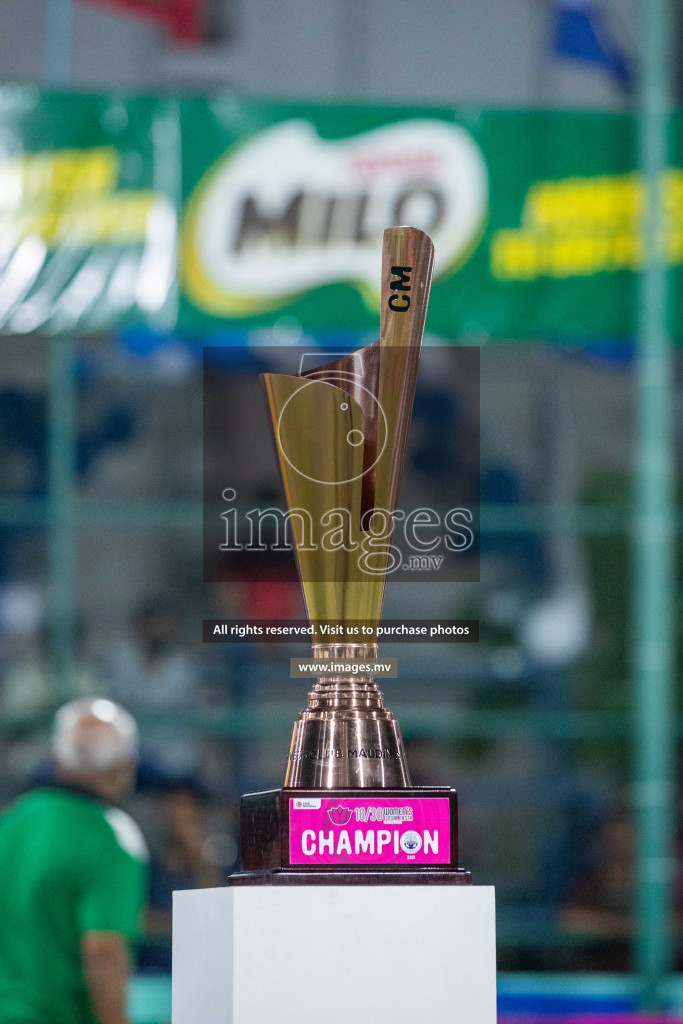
24, 442
600, 904
27, 690
27, 687
72, 877
181, 864
152, 675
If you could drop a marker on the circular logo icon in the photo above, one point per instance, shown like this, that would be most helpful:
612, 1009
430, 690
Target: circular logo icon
411, 842
354, 437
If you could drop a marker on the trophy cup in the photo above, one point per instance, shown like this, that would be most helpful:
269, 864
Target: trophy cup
347, 813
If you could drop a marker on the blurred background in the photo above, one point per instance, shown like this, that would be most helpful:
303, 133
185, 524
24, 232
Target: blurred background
561, 728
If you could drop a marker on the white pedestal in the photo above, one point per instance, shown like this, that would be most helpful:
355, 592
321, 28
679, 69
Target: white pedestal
334, 954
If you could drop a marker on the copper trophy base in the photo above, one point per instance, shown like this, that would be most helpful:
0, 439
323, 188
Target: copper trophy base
346, 737
397, 836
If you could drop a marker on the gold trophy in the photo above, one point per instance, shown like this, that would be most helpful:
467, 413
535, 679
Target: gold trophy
340, 433
347, 813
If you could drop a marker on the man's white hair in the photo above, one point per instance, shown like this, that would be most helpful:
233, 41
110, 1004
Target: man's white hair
93, 735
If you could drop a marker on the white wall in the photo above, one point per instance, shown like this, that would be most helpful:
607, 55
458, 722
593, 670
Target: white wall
491, 52
22, 25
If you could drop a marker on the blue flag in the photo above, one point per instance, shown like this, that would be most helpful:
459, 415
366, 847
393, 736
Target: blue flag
581, 34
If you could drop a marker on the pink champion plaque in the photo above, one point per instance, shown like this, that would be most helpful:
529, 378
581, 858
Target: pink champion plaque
337, 831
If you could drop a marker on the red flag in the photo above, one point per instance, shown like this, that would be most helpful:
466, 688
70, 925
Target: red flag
183, 18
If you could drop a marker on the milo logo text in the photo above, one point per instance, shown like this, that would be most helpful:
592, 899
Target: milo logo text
287, 211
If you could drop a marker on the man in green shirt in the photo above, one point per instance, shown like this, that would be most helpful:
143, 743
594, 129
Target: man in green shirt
73, 871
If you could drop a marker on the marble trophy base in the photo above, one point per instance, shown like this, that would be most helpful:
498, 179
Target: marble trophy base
334, 954
294, 836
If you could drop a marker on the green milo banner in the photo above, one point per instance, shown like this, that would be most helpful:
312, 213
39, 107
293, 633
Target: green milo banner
201, 214
88, 212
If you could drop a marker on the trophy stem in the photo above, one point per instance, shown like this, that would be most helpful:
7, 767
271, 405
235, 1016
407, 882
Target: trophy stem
346, 737
334, 693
